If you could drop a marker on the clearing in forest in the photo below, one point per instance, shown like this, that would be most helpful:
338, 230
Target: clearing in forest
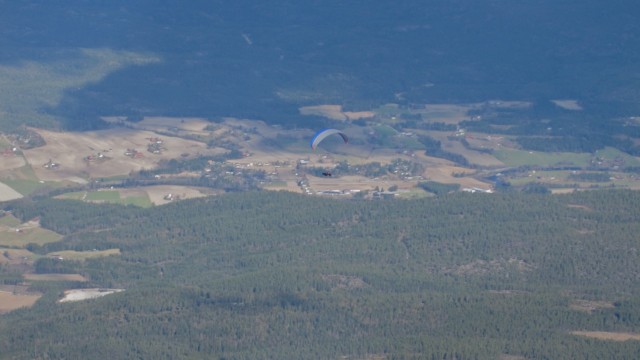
608, 335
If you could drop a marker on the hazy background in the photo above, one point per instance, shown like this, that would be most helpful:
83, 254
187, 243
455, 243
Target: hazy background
264, 60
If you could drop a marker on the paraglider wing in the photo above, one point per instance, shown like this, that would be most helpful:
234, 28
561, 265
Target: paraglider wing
322, 134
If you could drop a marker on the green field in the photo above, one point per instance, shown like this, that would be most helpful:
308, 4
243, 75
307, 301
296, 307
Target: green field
533, 158
276, 183
385, 131
561, 178
108, 196
111, 196
24, 180
4, 143
76, 195
24, 187
141, 201
609, 153
22, 238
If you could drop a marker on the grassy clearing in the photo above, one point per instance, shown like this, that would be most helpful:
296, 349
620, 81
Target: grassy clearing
385, 131
277, 183
533, 158
24, 187
114, 178
608, 335
9, 221
141, 201
83, 255
55, 277
23, 237
559, 176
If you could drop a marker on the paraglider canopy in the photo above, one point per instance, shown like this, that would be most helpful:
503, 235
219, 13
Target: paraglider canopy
322, 134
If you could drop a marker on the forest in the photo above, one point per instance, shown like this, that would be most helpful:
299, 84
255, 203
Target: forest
266, 275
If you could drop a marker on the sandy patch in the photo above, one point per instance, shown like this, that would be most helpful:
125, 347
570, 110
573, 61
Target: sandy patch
562, 191
607, 335
347, 183
10, 301
7, 193
86, 294
581, 207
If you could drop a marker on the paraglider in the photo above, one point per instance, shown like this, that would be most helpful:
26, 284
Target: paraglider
322, 134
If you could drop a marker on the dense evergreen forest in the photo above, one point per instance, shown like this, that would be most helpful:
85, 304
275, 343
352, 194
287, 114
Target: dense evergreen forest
275, 275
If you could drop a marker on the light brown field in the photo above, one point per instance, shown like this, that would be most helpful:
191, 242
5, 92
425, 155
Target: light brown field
562, 191
55, 277
608, 335
10, 301
474, 157
444, 174
16, 256
335, 112
69, 150
7, 193
8, 162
